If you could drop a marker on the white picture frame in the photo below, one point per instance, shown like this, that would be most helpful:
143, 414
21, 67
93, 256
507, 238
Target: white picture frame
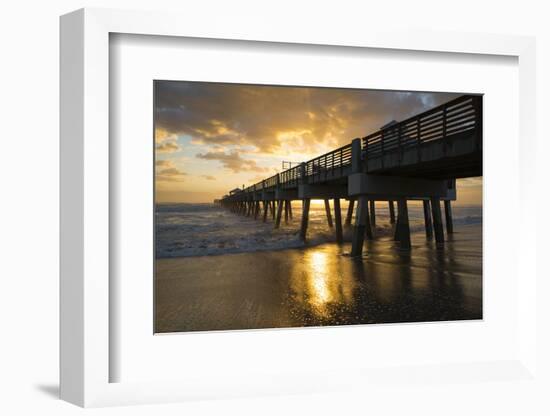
85, 215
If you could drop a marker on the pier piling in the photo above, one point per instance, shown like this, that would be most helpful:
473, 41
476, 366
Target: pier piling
437, 221
305, 218
404, 233
338, 221
392, 212
349, 214
448, 217
361, 218
279, 213
286, 212
368, 226
327, 210
372, 213
427, 220
265, 211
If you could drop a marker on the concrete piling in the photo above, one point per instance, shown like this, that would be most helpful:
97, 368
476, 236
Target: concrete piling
372, 213
427, 220
404, 234
349, 214
327, 210
361, 218
265, 211
286, 211
305, 218
279, 213
437, 221
338, 221
368, 226
392, 212
448, 217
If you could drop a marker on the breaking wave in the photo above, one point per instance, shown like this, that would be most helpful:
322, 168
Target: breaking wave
184, 230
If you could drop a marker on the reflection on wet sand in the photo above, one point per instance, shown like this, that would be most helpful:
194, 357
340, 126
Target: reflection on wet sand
321, 292
322, 285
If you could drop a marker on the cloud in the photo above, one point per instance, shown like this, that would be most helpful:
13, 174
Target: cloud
233, 161
167, 172
162, 135
208, 177
165, 163
273, 119
168, 147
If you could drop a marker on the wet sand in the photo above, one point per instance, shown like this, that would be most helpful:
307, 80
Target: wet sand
322, 285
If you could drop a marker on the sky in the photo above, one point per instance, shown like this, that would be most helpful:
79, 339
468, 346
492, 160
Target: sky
213, 137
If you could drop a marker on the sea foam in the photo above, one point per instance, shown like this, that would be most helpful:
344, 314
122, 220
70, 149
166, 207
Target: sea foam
184, 230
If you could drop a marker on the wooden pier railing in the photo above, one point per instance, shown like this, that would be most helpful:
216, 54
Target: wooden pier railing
458, 116
328, 166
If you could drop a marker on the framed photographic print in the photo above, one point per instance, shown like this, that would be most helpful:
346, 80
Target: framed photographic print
283, 213
285, 248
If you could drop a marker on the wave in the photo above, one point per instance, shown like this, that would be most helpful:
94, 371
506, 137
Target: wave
184, 230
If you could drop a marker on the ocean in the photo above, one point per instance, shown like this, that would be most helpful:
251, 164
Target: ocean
188, 230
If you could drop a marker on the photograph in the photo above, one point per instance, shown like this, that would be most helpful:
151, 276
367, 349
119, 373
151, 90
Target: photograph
302, 206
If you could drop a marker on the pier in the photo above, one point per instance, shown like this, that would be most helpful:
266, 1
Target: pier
418, 159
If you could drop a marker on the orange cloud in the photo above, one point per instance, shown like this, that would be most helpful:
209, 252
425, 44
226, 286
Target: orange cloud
233, 161
167, 172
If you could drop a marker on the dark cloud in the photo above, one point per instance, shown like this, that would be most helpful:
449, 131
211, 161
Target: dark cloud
270, 118
233, 161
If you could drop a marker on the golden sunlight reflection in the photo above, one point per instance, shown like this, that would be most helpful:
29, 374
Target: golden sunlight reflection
319, 281
323, 283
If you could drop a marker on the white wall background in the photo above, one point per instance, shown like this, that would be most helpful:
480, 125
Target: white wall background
29, 203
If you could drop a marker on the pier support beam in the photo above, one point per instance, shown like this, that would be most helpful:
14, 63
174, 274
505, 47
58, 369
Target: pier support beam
372, 213
404, 232
427, 220
361, 218
305, 218
369, 233
437, 221
396, 230
286, 211
273, 209
327, 210
279, 213
265, 211
338, 221
392, 212
349, 214
448, 217
290, 209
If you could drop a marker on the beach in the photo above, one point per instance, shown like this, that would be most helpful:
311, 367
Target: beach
317, 283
